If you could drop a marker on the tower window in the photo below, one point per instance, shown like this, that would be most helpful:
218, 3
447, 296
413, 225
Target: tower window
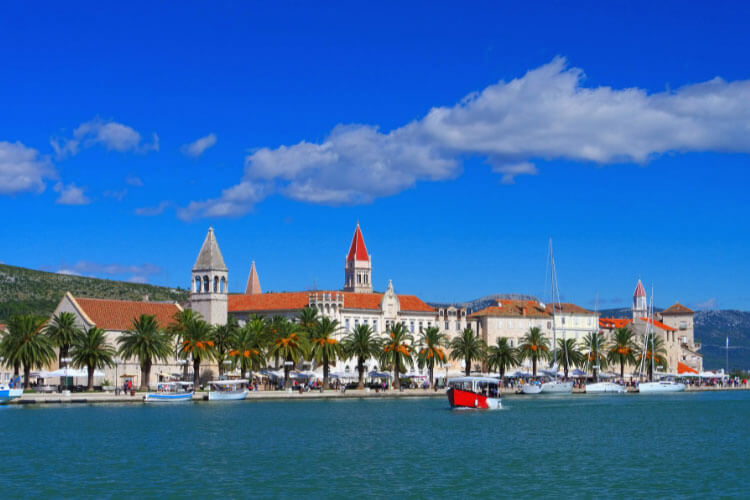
205, 284
223, 288
216, 284
197, 285
359, 278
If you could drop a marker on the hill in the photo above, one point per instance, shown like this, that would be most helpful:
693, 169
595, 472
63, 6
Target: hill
28, 291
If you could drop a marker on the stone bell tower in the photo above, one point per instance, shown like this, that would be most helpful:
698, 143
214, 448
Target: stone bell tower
210, 282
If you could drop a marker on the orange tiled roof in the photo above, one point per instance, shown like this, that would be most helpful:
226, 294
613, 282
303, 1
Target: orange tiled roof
289, 301
683, 368
119, 314
659, 324
567, 307
610, 323
677, 308
357, 250
514, 308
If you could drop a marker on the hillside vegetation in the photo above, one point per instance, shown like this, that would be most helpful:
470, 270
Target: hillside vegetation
28, 291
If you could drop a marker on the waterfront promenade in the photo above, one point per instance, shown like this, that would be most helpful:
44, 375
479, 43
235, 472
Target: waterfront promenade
108, 397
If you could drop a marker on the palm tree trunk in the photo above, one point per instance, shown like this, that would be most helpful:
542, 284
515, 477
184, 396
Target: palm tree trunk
220, 361
533, 364
145, 375
16, 368
325, 372
622, 369
90, 378
287, 384
361, 370
467, 366
196, 372
432, 381
26, 376
185, 371
396, 372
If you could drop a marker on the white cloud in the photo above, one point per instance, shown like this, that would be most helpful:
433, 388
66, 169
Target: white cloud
134, 181
546, 114
199, 146
70, 195
151, 211
112, 135
22, 169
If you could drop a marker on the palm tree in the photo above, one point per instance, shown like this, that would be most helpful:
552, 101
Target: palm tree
248, 348
655, 349
308, 319
432, 342
7, 352
567, 355
502, 356
92, 350
273, 327
27, 345
290, 344
534, 346
147, 342
223, 337
622, 350
198, 343
594, 352
469, 348
326, 348
181, 320
397, 351
362, 344
63, 331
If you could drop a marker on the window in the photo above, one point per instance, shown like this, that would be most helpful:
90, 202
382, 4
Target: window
411, 327
223, 288
447, 325
356, 323
365, 279
346, 324
420, 327
458, 326
366, 321
216, 284
375, 325
197, 287
511, 342
205, 284
359, 278
683, 325
549, 325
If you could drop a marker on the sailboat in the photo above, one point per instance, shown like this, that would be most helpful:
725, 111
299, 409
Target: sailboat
601, 387
556, 386
660, 385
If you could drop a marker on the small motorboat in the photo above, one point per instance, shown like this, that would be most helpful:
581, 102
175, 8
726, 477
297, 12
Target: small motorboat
604, 387
474, 392
9, 392
227, 390
557, 387
531, 388
171, 392
660, 386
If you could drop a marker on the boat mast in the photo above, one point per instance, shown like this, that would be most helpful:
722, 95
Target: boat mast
555, 307
651, 324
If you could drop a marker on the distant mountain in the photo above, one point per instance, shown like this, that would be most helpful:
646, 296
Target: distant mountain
479, 304
28, 291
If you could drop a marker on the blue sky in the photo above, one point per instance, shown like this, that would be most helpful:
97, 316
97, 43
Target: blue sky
461, 138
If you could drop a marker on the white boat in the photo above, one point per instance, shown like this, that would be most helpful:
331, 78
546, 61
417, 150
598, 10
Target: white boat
660, 386
171, 392
227, 390
604, 387
9, 393
531, 388
557, 387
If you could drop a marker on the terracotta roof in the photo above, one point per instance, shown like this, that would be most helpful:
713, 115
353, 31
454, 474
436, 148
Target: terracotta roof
289, 301
683, 368
357, 250
514, 308
610, 323
567, 307
659, 324
639, 290
677, 308
119, 314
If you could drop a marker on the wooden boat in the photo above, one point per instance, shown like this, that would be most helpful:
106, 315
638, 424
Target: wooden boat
474, 392
171, 392
227, 390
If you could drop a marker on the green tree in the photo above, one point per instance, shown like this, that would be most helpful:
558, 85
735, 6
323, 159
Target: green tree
308, 319
326, 348
594, 352
469, 348
363, 344
27, 345
502, 356
534, 346
177, 328
654, 350
146, 342
198, 343
248, 349
568, 355
92, 350
290, 344
224, 337
432, 344
622, 350
63, 331
397, 351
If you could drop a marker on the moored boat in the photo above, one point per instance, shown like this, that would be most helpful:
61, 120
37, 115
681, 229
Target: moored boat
531, 388
227, 390
557, 387
660, 386
9, 392
604, 387
171, 392
474, 392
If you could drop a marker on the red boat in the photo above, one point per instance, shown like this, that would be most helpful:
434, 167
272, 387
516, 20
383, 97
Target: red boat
474, 392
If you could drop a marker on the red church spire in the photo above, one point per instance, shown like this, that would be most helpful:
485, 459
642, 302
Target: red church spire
358, 250
639, 290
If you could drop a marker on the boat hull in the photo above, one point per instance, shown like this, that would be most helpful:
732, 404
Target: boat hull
227, 396
459, 398
531, 388
556, 387
660, 387
604, 387
7, 395
168, 398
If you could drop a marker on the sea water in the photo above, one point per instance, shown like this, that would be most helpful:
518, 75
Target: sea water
625, 446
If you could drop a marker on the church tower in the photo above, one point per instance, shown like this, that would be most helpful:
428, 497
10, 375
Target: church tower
358, 266
640, 309
210, 285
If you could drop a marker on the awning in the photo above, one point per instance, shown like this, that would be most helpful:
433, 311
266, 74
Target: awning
74, 372
682, 368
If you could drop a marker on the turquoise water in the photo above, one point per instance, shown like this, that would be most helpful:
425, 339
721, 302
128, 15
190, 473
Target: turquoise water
693, 445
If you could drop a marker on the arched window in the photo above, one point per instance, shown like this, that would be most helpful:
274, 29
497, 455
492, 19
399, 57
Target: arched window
205, 284
197, 284
223, 288
216, 284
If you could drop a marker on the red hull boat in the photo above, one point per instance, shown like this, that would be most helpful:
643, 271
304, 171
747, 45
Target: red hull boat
474, 392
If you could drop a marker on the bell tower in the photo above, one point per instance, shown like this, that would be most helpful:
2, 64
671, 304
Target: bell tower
210, 282
640, 309
358, 266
